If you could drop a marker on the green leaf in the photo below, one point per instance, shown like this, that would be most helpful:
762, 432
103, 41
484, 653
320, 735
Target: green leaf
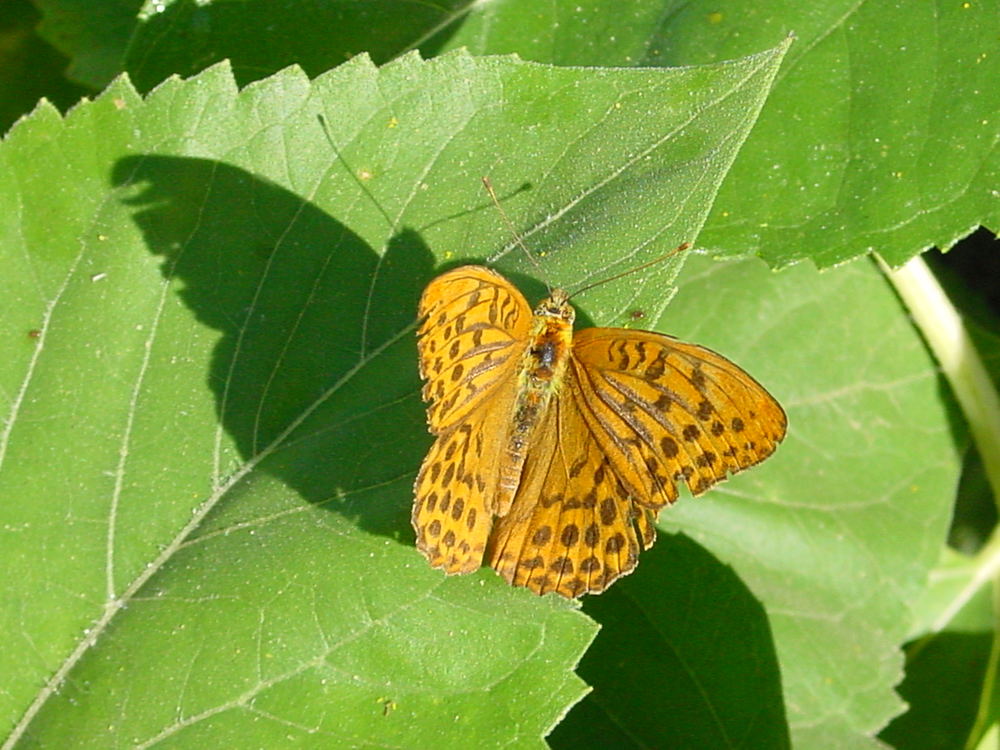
29, 68
212, 414
93, 33
951, 662
259, 37
880, 134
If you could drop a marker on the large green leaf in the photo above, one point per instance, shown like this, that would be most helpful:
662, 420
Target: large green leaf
880, 135
212, 418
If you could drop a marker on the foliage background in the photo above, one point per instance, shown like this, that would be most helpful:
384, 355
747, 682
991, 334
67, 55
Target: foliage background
211, 412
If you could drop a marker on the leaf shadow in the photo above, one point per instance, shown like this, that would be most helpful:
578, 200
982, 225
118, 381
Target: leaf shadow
945, 677
702, 674
314, 373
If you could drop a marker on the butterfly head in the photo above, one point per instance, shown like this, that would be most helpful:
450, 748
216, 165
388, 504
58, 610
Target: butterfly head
556, 305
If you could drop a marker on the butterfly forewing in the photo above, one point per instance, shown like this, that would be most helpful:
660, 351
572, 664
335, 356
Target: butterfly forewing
474, 329
666, 411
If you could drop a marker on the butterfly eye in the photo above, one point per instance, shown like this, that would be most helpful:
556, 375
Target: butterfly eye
556, 306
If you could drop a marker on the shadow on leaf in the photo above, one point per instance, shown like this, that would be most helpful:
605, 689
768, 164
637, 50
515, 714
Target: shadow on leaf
943, 685
684, 659
315, 372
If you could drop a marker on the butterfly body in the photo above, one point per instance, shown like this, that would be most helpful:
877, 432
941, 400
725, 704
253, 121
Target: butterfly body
539, 373
554, 450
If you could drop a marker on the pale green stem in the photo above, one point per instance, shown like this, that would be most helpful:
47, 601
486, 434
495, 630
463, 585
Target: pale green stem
986, 568
961, 364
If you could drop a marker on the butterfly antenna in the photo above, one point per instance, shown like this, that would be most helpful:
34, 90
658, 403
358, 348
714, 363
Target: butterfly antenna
510, 225
679, 249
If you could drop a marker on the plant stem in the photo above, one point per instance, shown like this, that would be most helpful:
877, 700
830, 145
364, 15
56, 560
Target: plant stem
944, 332
942, 328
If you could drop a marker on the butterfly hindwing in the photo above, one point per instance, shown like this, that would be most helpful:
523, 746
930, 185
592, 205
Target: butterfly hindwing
573, 527
452, 510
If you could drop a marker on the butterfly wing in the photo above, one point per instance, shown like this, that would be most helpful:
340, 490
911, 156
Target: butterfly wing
452, 508
475, 329
665, 411
573, 527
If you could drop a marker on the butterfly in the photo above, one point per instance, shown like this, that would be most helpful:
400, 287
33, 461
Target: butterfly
555, 450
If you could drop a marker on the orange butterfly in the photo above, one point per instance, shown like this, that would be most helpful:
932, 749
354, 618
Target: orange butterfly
556, 449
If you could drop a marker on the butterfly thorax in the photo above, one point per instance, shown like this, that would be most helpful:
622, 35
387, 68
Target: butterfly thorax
544, 360
539, 375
